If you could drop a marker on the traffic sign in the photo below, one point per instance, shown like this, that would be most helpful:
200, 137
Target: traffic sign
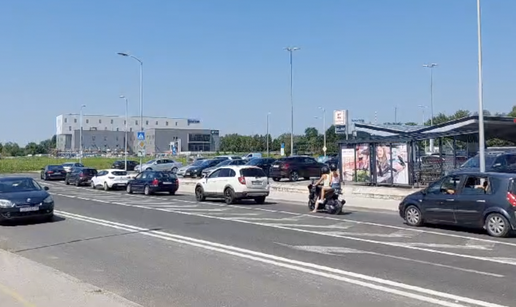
141, 136
141, 153
324, 148
141, 144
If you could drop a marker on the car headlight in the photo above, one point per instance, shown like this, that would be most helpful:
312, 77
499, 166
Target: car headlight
4, 203
48, 200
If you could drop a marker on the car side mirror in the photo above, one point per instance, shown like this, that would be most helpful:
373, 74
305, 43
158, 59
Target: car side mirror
497, 165
46, 188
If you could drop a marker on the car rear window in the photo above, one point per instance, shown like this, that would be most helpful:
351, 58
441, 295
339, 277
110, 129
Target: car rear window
55, 167
89, 171
119, 173
512, 186
252, 172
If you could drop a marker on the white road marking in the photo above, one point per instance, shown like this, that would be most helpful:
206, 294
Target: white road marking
347, 237
165, 205
437, 245
196, 209
294, 219
335, 250
334, 226
384, 285
365, 234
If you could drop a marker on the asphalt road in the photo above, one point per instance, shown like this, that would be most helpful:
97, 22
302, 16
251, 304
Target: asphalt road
172, 251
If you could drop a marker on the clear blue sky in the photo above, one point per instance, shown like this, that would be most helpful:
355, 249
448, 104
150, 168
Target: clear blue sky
223, 61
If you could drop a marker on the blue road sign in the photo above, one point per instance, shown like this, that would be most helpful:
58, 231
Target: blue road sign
141, 136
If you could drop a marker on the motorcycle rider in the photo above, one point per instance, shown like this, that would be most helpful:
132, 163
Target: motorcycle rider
326, 181
335, 178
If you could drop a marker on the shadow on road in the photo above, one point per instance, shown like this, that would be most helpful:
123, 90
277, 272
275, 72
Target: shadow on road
31, 221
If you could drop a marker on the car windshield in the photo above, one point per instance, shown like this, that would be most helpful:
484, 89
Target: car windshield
119, 173
69, 164
237, 162
150, 162
207, 162
197, 163
54, 167
254, 161
10, 185
475, 162
225, 162
252, 172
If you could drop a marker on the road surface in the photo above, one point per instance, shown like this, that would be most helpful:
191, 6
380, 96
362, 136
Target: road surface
168, 251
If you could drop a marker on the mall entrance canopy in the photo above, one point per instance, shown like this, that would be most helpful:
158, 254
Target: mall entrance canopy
390, 155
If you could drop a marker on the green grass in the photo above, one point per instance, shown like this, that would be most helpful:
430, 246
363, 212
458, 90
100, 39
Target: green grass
29, 164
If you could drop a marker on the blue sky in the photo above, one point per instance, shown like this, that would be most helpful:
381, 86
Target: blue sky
223, 61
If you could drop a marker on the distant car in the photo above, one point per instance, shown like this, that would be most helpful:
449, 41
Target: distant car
182, 170
53, 172
470, 199
296, 167
230, 157
196, 171
121, 165
233, 183
263, 163
110, 179
208, 170
151, 182
495, 161
80, 176
23, 197
159, 165
68, 166
252, 155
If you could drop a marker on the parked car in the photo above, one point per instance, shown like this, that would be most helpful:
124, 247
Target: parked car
495, 161
68, 166
233, 183
80, 176
208, 170
151, 182
196, 171
159, 165
263, 163
121, 165
230, 157
23, 197
182, 170
110, 179
470, 199
53, 172
295, 167
252, 155
332, 162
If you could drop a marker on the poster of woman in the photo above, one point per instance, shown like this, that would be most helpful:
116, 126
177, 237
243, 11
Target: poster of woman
391, 166
356, 170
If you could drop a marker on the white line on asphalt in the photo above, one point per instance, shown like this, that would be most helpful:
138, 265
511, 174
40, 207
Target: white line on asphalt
334, 226
333, 250
330, 218
437, 245
365, 234
334, 235
306, 267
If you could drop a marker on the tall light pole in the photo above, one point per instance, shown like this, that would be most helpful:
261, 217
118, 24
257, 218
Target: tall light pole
431, 67
324, 129
395, 115
141, 91
481, 136
291, 51
423, 118
80, 134
267, 134
126, 122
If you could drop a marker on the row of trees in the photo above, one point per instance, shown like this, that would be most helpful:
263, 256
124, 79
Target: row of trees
13, 149
312, 140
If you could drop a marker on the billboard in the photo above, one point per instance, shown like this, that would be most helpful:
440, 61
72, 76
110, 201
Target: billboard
340, 117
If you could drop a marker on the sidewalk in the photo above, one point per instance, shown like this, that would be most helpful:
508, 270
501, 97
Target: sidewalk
25, 283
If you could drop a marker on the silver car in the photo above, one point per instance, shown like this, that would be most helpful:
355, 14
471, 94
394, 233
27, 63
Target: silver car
208, 170
69, 165
159, 165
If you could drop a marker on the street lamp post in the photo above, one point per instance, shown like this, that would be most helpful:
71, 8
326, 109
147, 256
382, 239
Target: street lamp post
423, 118
141, 91
324, 129
431, 67
267, 135
126, 122
395, 115
80, 134
481, 136
291, 51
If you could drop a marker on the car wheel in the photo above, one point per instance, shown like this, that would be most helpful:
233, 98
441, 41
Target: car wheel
172, 192
199, 194
174, 170
294, 176
148, 169
413, 216
229, 196
106, 187
497, 225
77, 183
276, 179
67, 182
147, 190
93, 186
260, 200
129, 189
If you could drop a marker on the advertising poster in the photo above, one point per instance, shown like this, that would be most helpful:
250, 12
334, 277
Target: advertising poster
356, 170
392, 164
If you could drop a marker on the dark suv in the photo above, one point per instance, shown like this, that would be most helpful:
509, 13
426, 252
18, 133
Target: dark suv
469, 199
80, 176
294, 168
496, 161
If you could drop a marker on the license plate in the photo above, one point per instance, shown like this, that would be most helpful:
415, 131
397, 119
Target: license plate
275, 166
167, 182
29, 209
256, 182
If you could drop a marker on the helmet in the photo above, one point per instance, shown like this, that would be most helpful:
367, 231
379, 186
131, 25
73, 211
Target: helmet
333, 167
325, 170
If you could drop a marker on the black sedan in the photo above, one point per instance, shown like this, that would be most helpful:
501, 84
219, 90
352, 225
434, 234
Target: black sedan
23, 197
121, 165
196, 171
151, 182
53, 172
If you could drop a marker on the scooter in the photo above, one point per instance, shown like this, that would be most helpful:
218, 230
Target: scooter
332, 204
